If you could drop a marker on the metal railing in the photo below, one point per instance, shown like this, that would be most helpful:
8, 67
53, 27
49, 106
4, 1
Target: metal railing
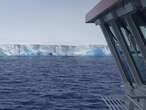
122, 103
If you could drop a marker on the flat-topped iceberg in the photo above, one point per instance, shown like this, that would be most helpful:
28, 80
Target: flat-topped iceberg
54, 50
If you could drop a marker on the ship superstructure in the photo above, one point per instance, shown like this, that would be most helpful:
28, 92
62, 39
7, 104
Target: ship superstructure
123, 23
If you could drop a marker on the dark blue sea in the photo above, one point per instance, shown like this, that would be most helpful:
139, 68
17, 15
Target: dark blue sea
57, 83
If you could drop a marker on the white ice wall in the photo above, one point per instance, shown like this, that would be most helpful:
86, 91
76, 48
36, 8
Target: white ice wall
56, 50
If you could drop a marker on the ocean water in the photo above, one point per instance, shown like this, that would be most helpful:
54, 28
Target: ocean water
57, 83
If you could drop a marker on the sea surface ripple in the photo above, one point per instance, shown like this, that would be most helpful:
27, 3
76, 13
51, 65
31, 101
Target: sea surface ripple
57, 83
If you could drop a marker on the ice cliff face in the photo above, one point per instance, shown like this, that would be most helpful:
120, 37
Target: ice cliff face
54, 50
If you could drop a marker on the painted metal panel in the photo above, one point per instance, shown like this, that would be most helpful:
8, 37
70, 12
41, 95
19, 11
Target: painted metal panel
100, 8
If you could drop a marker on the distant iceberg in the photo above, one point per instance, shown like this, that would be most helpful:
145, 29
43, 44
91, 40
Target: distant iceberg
54, 50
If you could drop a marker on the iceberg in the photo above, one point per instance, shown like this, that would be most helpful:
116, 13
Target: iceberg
54, 50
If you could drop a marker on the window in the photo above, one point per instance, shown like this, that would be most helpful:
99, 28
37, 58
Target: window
133, 48
121, 55
140, 21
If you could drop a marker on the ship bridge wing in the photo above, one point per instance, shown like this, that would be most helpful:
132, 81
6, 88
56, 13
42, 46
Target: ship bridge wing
99, 9
105, 6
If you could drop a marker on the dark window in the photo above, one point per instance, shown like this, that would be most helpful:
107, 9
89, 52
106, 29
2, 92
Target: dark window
140, 21
121, 55
133, 48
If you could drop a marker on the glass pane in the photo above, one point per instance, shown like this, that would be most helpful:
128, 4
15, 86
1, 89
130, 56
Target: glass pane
143, 30
140, 20
133, 48
121, 55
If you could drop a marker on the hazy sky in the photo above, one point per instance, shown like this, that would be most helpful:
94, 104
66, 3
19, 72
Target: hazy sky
47, 22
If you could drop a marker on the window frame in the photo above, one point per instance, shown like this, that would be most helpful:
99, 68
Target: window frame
111, 43
139, 40
138, 34
122, 60
131, 54
125, 47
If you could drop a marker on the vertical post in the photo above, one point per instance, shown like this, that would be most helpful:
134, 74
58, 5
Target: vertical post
136, 35
144, 104
131, 106
127, 53
113, 50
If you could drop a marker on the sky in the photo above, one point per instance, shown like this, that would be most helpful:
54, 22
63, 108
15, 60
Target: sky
59, 22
